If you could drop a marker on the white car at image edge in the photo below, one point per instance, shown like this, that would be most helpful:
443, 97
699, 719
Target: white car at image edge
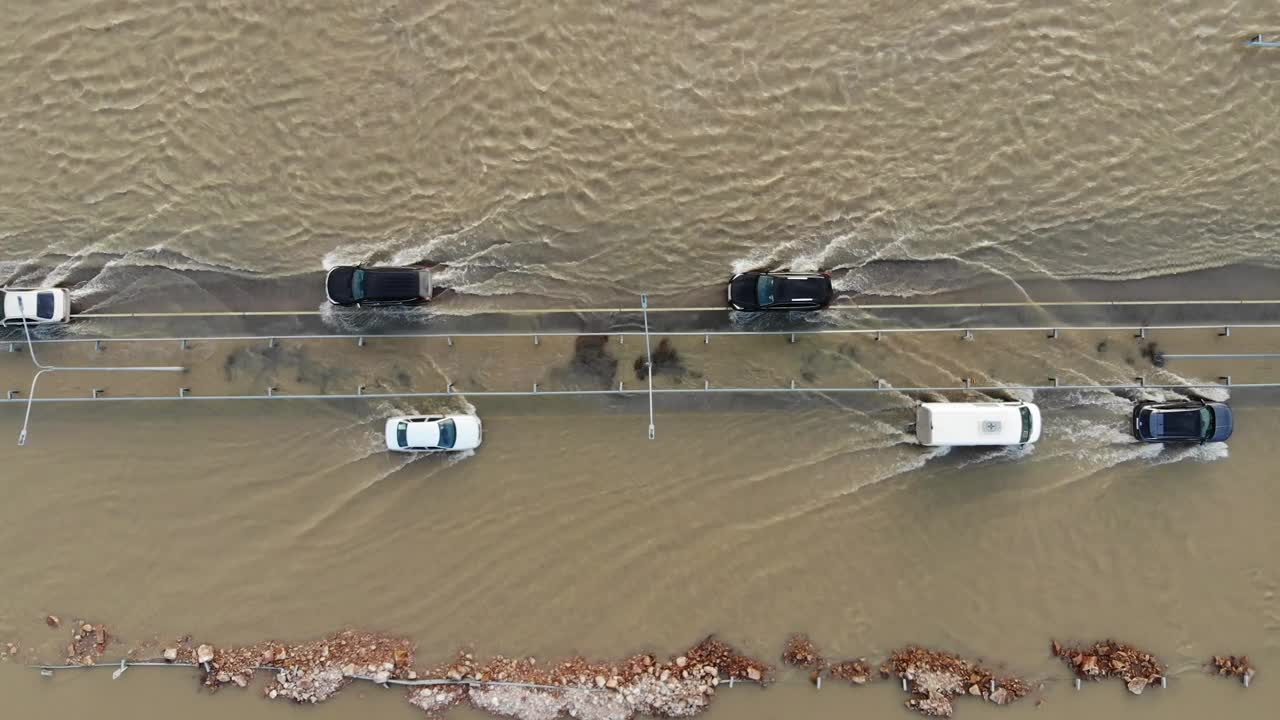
433, 433
37, 307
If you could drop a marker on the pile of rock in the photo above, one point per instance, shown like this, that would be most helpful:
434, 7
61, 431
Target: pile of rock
857, 672
1111, 659
935, 678
1232, 666
641, 685
800, 651
88, 643
307, 672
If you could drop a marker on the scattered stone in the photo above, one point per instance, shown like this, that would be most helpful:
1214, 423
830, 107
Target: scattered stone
1111, 659
88, 643
204, 654
1232, 666
682, 661
857, 672
53, 621
935, 679
800, 651
753, 674
170, 654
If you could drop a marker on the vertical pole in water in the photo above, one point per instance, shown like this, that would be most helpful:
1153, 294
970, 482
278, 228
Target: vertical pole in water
648, 354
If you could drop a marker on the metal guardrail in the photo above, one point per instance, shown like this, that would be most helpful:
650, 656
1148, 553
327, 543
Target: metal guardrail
275, 394
459, 312
965, 331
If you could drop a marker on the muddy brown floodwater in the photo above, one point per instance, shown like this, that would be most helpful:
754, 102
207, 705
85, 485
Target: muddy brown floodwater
220, 155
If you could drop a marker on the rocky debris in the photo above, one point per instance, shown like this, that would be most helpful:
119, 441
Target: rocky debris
857, 672
88, 643
310, 672
434, 700
935, 679
170, 654
1232, 666
53, 621
801, 652
640, 685
11, 649
1111, 659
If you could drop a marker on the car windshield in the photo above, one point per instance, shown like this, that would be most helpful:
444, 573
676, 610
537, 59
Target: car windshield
764, 290
44, 305
357, 285
402, 434
448, 434
1026, 423
1206, 423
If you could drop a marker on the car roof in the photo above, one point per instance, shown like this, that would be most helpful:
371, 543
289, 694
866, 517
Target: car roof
424, 434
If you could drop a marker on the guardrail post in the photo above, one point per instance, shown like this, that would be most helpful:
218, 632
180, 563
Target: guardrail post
450, 339
182, 392
1054, 379
1142, 333
13, 347
97, 345
360, 341
96, 393
535, 340
1142, 381
535, 387
706, 384
706, 339
1226, 331
271, 343
968, 382
271, 391
1226, 379
793, 384
879, 335
968, 335
449, 389
619, 386
185, 346
13, 394
1054, 335
359, 389
793, 337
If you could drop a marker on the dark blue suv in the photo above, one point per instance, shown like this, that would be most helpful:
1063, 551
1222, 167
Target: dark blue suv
1182, 421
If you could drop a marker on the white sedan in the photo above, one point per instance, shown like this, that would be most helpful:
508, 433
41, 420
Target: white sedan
433, 433
37, 307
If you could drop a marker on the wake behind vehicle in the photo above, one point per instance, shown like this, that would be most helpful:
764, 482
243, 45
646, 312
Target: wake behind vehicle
356, 285
756, 291
1182, 421
35, 307
433, 433
977, 424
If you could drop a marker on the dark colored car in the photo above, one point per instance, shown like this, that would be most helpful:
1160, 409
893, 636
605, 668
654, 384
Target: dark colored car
779, 291
1182, 421
354, 285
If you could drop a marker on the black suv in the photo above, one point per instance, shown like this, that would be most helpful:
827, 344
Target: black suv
779, 291
1182, 421
354, 285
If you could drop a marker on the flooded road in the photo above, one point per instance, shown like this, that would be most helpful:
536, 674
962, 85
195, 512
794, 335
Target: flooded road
219, 156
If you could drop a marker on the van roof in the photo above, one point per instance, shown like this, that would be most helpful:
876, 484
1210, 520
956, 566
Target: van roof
994, 423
